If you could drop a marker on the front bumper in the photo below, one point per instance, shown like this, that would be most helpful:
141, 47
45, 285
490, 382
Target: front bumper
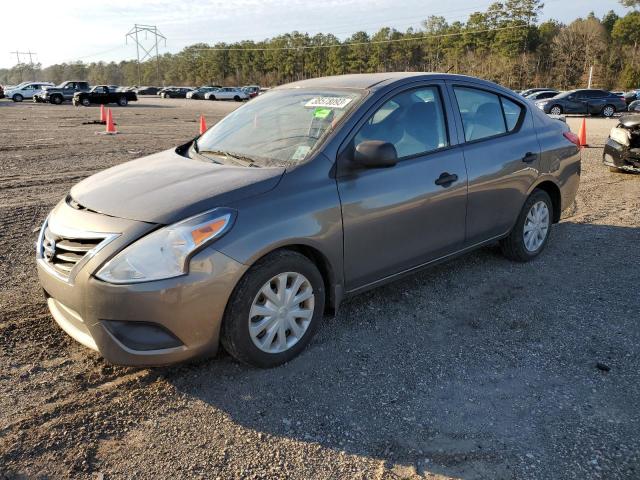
620, 157
143, 324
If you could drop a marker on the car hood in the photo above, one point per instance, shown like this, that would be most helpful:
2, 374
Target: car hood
630, 121
167, 187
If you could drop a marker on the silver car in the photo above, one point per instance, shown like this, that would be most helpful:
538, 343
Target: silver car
320, 190
227, 93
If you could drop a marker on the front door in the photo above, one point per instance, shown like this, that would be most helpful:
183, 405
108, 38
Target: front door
400, 217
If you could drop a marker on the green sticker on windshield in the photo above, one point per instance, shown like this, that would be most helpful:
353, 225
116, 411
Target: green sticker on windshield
322, 113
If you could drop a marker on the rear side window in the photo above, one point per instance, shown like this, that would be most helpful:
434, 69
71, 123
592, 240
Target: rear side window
486, 114
481, 113
512, 113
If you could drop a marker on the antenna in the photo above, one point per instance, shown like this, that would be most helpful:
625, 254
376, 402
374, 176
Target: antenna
147, 53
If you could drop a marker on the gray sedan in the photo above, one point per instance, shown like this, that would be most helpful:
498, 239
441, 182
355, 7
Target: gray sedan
320, 190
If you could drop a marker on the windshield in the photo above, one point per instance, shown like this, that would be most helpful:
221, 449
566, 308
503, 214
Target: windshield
280, 128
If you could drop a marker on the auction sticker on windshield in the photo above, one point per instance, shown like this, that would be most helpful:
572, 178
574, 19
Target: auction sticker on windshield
329, 102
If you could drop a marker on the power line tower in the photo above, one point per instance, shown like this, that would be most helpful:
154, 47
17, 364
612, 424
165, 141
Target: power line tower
134, 34
21, 64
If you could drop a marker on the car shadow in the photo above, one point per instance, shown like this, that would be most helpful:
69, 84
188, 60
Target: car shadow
477, 368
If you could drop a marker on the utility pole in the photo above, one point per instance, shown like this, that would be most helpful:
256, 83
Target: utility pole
590, 76
147, 52
18, 53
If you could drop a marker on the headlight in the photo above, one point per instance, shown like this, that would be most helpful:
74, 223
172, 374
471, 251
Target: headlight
165, 253
621, 136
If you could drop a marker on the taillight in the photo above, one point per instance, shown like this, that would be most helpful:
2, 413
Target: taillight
572, 137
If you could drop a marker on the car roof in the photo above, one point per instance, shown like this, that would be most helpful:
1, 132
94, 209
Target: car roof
372, 81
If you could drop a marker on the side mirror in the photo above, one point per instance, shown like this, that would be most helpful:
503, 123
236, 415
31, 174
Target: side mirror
375, 154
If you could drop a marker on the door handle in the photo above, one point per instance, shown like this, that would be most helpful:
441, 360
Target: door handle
529, 157
445, 179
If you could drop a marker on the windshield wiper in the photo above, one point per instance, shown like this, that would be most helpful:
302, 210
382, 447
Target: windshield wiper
236, 158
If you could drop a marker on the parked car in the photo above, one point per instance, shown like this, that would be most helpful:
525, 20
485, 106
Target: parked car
634, 106
631, 96
529, 91
175, 92
198, 93
60, 93
26, 90
622, 149
251, 90
542, 95
227, 93
321, 189
147, 90
103, 94
1, 92
584, 101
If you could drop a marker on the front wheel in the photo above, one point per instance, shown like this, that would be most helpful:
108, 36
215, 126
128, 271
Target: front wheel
531, 232
212, 97
608, 111
57, 99
85, 101
237, 98
556, 110
122, 101
17, 98
274, 310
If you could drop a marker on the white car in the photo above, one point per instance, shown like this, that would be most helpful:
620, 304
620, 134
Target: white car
26, 90
227, 93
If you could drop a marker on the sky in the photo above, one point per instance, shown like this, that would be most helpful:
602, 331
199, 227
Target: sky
94, 31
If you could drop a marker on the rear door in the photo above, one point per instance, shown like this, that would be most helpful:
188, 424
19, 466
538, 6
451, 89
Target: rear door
502, 156
576, 103
400, 217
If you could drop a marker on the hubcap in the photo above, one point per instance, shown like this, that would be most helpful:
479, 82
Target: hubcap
608, 111
536, 226
281, 312
555, 111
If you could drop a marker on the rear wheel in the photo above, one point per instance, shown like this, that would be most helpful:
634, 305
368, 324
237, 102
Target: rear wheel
17, 98
556, 110
212, 97
122, 101
531, 232
237, 98
274, 310
608, 111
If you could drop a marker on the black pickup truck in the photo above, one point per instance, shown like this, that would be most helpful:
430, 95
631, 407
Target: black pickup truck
60, 93
103, 94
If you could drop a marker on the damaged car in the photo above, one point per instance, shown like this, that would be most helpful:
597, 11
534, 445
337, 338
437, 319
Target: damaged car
622, 150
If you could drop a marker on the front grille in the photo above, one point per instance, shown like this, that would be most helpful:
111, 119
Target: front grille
64, 253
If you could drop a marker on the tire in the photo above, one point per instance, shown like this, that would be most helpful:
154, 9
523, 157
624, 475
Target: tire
212, 97
555, 110
57, 100
122, 101
514, 246
17, 98
608, 111
85, 102
236, 337
237, 98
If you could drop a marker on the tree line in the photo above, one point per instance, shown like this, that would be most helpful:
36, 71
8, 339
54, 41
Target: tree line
505, 43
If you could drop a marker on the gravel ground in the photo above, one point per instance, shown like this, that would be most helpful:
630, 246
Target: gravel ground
478, 368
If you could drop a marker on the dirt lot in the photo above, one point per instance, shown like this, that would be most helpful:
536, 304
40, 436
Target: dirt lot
479, 368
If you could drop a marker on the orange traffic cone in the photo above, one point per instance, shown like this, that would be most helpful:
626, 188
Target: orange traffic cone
111, 128
203, 125
582, 133
103, 115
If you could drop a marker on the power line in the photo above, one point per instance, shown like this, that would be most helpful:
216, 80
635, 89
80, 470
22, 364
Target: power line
372, 42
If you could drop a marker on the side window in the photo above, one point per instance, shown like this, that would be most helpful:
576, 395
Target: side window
512, 113
413, 121
481, 113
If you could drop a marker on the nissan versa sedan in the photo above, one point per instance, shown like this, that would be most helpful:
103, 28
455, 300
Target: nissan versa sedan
320, 190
